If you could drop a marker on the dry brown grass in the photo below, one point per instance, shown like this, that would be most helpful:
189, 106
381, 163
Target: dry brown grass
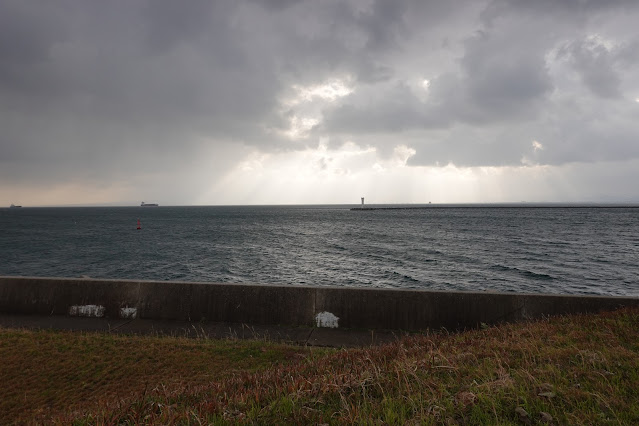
567, 370
48, 372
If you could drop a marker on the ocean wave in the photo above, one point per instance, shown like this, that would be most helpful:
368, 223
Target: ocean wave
521, 250
523, 272
402, 276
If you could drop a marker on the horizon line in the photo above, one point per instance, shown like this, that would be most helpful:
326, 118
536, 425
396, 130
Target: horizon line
425, 204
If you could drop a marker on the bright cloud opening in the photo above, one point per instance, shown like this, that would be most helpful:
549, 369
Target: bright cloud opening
300, 127
327, 91
339, 176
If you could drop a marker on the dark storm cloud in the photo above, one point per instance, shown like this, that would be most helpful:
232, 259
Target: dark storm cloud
88, 84
510, 85
601, 67
169, 23
501, 78
87, 88
495, 82
499, 8
595, 65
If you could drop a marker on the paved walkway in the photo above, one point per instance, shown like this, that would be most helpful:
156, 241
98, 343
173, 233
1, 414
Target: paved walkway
284, 334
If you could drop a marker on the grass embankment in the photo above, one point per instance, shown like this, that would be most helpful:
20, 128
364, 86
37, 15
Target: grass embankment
53, 373
566, 370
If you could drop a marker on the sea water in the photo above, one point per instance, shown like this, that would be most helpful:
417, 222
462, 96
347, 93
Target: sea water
538, 249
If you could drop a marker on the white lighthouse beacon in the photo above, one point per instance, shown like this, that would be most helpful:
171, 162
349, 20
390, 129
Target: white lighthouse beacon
362, 202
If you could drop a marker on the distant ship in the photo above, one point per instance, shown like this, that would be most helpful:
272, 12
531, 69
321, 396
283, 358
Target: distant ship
13, 206
148, 204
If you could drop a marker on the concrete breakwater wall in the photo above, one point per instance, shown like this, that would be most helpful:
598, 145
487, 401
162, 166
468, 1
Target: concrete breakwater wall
285, 305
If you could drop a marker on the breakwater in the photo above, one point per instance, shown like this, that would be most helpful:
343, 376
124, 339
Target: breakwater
334, 307
390, 208
501, 206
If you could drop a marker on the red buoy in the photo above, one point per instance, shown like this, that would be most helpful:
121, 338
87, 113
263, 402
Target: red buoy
139, 226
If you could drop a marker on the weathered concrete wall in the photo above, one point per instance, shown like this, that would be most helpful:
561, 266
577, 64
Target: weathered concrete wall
285, 305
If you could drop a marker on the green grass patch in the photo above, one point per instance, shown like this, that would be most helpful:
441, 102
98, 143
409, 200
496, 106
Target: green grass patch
581, 369
47, 373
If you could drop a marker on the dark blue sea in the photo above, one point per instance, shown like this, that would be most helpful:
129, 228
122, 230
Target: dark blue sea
540, 249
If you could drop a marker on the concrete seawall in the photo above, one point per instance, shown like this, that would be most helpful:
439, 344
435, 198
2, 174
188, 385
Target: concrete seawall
334, 307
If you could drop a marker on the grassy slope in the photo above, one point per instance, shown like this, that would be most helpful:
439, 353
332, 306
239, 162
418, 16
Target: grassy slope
48, 372
575, 370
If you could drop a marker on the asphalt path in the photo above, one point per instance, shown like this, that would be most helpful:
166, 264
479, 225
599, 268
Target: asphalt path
305, 336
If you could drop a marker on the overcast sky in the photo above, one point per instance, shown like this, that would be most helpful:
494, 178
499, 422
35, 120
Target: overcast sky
312, 102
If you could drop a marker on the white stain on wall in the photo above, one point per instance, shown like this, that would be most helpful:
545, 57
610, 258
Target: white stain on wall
326, 319
95, 311
129, 313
